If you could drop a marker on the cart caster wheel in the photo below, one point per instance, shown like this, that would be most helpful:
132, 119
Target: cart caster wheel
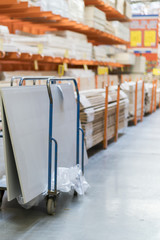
1, 198
51, 206
75, 194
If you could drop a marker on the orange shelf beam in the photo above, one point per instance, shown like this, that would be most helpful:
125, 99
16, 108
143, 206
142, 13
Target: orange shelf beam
58, 60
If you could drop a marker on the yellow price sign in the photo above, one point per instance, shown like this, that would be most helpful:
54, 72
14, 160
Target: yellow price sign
36, 67
85, 67
149, 38
65, 66
102, 70
156, 71
136, 38
61, 70
40, 48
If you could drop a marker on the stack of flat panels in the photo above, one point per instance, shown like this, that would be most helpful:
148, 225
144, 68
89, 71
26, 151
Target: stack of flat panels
158, 96
95, 18
140, 65
54, 45
25, 118
129, 89
72, 9
92, 115
121, 30
120, 6
86, 78
100, 54
125, 58
127, 9
102, 81
148, 97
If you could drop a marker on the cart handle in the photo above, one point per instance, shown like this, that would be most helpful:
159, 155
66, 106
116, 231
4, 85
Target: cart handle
82, 157
54, 80
29, 78
15, 78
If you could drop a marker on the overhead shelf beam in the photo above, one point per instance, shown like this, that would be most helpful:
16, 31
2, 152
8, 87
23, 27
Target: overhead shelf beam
26, 57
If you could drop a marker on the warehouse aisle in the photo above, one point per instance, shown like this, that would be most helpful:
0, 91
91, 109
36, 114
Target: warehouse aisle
123, 202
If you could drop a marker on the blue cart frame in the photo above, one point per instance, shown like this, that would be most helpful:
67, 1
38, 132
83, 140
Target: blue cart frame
52, 194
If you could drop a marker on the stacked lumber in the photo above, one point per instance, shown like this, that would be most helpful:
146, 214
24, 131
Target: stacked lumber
92, 114
129, 88
149, 97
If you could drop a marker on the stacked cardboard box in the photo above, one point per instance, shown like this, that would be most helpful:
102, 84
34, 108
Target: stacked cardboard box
149, 97
129, 88
92, 114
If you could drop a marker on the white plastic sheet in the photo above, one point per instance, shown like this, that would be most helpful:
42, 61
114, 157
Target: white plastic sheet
68, 179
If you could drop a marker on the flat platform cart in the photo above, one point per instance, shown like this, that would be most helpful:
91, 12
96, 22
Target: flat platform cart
52, 194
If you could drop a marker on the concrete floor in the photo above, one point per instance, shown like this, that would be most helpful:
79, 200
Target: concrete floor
123, 202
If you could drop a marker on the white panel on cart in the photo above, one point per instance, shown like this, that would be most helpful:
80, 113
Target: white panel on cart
26, 110
27, 114
12, 179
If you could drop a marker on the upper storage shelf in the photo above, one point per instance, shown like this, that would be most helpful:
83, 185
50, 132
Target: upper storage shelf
111, 13
19, 16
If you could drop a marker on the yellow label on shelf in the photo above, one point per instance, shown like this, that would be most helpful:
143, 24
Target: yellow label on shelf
110, 68
122, 69
136, 38
1, 44
61, 70
40, 48
65, 66
36, 65
149, 38
102, 70
85, 67
66, 54
156, 71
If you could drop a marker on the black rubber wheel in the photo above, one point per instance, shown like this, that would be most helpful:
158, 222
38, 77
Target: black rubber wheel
51, 206
75, 194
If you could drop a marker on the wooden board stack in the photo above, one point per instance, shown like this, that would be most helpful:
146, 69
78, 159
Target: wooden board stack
92, 114
129, 89
148, 97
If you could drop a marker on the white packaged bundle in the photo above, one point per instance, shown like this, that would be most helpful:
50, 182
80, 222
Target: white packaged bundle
76, 10
140, 65
95, 18
127, 9
121, 30
86, 77
125, 58
120, 6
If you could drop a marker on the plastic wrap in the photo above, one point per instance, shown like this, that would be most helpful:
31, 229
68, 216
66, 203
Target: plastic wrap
76, 10
68, 179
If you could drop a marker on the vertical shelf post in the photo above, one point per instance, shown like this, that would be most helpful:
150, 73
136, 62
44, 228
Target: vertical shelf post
135, 104
142, 103
117, 114
108, 80
155, 97
96, 81
105, 141
151, 110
